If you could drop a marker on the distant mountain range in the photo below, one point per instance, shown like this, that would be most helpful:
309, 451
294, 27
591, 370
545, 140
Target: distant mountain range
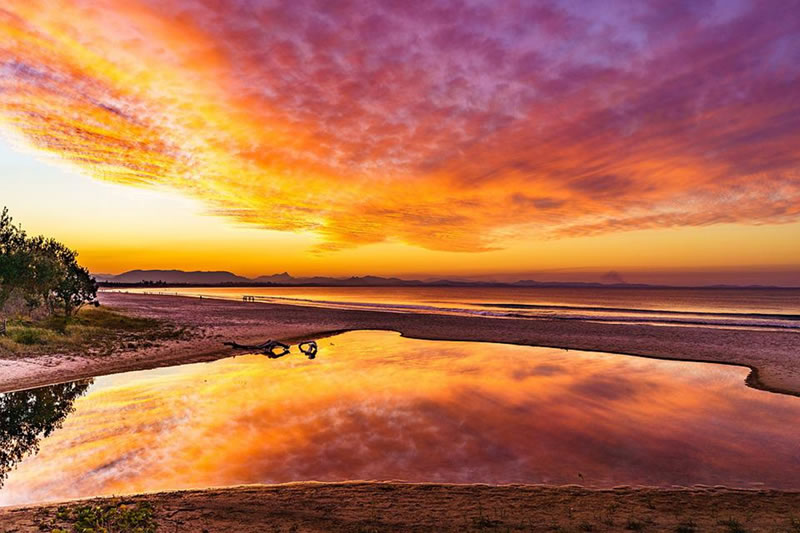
224, 278
180, 277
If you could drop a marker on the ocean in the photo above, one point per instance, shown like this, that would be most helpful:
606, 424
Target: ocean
706, 307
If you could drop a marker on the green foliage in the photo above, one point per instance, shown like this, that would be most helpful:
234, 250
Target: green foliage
686, 527
13, 257
91, 331
29, 336
42, 271
110, 320
73, 286
108, 517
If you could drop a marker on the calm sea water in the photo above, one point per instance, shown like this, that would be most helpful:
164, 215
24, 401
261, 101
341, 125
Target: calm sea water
377, 406
749, 308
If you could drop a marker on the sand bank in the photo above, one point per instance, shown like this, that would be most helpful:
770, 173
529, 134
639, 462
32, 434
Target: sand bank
773, 356
360, 507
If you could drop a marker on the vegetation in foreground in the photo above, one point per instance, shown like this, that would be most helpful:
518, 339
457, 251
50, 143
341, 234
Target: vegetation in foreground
43, 297
397, 507
39, 275
92, 331
109, 517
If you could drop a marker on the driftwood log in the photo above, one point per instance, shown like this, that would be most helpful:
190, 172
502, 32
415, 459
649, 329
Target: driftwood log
275, 349
309, 348
269, 348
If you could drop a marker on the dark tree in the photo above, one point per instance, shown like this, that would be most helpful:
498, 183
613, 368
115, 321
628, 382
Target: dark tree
26, 417
74, 287
41, 271
14, 259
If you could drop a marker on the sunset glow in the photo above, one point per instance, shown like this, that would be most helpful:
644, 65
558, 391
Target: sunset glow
407, 137
380, 406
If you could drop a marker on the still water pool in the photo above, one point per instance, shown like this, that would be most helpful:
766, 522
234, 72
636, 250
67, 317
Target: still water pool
377, 406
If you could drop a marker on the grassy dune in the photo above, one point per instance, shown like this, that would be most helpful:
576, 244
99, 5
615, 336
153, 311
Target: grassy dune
93, 331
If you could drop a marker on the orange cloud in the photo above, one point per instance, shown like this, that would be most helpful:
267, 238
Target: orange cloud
438, 124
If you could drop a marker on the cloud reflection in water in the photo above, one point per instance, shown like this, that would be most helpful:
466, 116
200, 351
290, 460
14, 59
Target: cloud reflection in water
375, 405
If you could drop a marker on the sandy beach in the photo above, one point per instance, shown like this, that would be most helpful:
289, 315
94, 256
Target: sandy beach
362, 506
772, 356
371, 507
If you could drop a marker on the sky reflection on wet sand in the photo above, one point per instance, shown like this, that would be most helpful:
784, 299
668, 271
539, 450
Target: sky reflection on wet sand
375, 405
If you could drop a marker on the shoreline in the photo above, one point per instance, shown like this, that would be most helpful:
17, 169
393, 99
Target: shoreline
391, 506
773, 357
360, 506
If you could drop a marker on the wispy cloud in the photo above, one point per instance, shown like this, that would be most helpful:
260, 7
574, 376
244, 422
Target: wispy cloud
447, 125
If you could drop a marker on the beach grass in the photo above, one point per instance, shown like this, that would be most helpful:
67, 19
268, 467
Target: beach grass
110, 516
96, 330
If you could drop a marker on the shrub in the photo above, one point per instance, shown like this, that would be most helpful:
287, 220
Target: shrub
137, 518
28, 336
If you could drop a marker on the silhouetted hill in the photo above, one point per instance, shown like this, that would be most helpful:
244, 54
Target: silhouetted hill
180, 277
283, 277
177, 277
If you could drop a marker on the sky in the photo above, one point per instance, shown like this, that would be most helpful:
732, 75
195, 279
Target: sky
408, 137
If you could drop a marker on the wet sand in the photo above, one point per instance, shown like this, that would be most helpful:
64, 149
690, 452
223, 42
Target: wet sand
372, 507
772, 356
